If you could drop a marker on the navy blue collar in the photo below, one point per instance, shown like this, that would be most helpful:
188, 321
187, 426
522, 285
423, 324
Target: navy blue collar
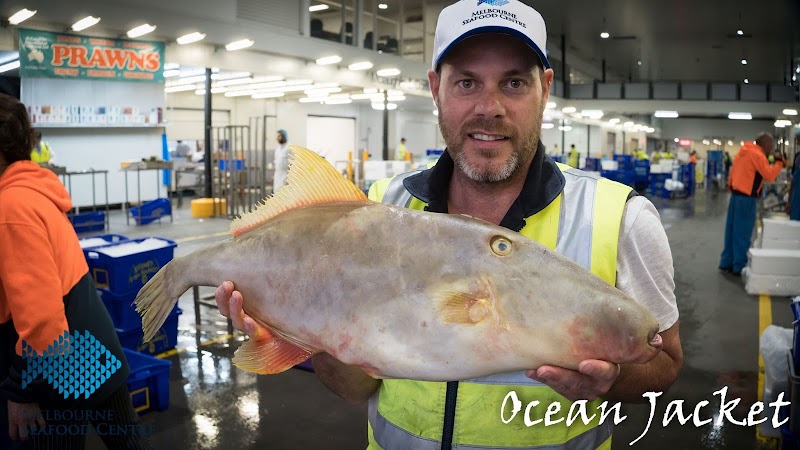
543, 184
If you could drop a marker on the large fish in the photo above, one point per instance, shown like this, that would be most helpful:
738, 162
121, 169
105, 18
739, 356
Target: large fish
401, 293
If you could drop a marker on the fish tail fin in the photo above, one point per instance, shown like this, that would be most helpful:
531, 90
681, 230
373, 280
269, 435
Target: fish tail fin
159, 296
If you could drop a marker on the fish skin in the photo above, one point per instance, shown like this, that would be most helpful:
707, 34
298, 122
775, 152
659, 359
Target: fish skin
365, 282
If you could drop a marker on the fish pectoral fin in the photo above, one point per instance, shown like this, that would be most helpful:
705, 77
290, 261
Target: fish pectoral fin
463, 307
271, 356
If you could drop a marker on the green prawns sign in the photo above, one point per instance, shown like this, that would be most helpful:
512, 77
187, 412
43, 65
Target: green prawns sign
59, 55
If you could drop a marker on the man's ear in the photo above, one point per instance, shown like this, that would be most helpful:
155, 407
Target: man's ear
434, 80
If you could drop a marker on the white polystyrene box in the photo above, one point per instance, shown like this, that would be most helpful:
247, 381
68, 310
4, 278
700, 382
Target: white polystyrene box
768, 261
782, 229
780, 244
780, 285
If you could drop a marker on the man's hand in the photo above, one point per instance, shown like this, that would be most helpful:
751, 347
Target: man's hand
23, 417
229, 303
592, 379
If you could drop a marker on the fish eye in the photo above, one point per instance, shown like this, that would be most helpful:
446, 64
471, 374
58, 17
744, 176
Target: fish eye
501, 246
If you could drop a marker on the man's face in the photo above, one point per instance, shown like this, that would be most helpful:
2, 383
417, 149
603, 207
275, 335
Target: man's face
491, 97
281, 140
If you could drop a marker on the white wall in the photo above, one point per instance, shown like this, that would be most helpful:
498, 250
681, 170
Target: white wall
99, 148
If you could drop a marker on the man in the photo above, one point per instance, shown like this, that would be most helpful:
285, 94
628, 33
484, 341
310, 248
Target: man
281, 160
42, 153
574, 156
750, 169
641, 154
793, 205
490, 81
401, 150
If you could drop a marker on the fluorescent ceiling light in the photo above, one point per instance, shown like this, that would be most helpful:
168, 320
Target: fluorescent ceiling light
746, 81
310, 100
188, 87
613, 121
238, 45
375, 97
240, 93
740, 32
323, 92
320, 7
189, 80
371, 90
389, 106
790, 112
9, 66
200, 92
604, 35
383, 6
171, 66
592, 113
565, 128
730, 143
268, 95
551, 105
191, 37
782, 124
231, 76
141, 30
628, 124
171, 73
677, 140
666, 114
364, 65
650, 130
569, 110
740, 116
744, 63
325, 60
85, 23
337, 101
547, 126
21, 16
396, 98
392, 72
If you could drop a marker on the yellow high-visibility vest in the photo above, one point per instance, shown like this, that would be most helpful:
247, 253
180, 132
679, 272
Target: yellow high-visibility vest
41, 154
406, 414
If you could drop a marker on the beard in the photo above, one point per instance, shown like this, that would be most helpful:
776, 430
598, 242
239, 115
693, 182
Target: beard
524, 146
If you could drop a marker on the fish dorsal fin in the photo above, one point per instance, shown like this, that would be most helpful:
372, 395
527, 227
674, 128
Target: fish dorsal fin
311, 181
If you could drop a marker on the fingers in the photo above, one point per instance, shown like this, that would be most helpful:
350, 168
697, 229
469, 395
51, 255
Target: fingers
255, 331
236, 310
600, 370
222, 296
592, 379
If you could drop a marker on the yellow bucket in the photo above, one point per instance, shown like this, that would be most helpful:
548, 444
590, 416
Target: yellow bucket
204, 207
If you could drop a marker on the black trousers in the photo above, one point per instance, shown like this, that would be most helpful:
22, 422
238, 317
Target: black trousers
114, 420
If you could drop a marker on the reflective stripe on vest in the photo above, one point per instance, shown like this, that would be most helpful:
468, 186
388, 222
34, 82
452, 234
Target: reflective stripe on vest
407, 414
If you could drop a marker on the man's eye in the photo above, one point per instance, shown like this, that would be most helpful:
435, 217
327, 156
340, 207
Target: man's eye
466, 84
516, 84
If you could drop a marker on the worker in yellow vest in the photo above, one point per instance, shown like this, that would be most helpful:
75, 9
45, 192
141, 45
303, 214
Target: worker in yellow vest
497, 171
641, 154
41, 153
573, 157
402, 153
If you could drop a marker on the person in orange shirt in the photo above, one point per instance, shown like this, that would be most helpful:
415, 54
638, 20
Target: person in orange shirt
749, 171
693, 157
45, 291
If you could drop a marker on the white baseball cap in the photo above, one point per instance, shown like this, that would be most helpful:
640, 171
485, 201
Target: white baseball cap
467, 18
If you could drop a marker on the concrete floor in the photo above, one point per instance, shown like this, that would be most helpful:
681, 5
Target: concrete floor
214, 405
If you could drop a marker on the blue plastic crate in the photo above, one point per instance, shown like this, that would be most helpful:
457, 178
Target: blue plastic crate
626, 177
165, 339
88, 222
148, 382
151, 211
235, 164
625, 161
125, 274
121, 309
593, 165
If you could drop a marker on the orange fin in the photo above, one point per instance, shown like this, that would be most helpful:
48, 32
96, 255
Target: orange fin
311, 181
272, 356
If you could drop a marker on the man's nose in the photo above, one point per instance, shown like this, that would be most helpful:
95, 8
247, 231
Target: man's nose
490, 103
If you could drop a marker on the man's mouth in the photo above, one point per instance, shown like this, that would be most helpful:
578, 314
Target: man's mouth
487, 137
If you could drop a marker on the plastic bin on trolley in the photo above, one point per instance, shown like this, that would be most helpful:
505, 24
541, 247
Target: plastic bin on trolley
88, 222
165, 339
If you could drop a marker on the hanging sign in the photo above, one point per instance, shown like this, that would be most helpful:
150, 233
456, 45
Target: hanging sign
61, 55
